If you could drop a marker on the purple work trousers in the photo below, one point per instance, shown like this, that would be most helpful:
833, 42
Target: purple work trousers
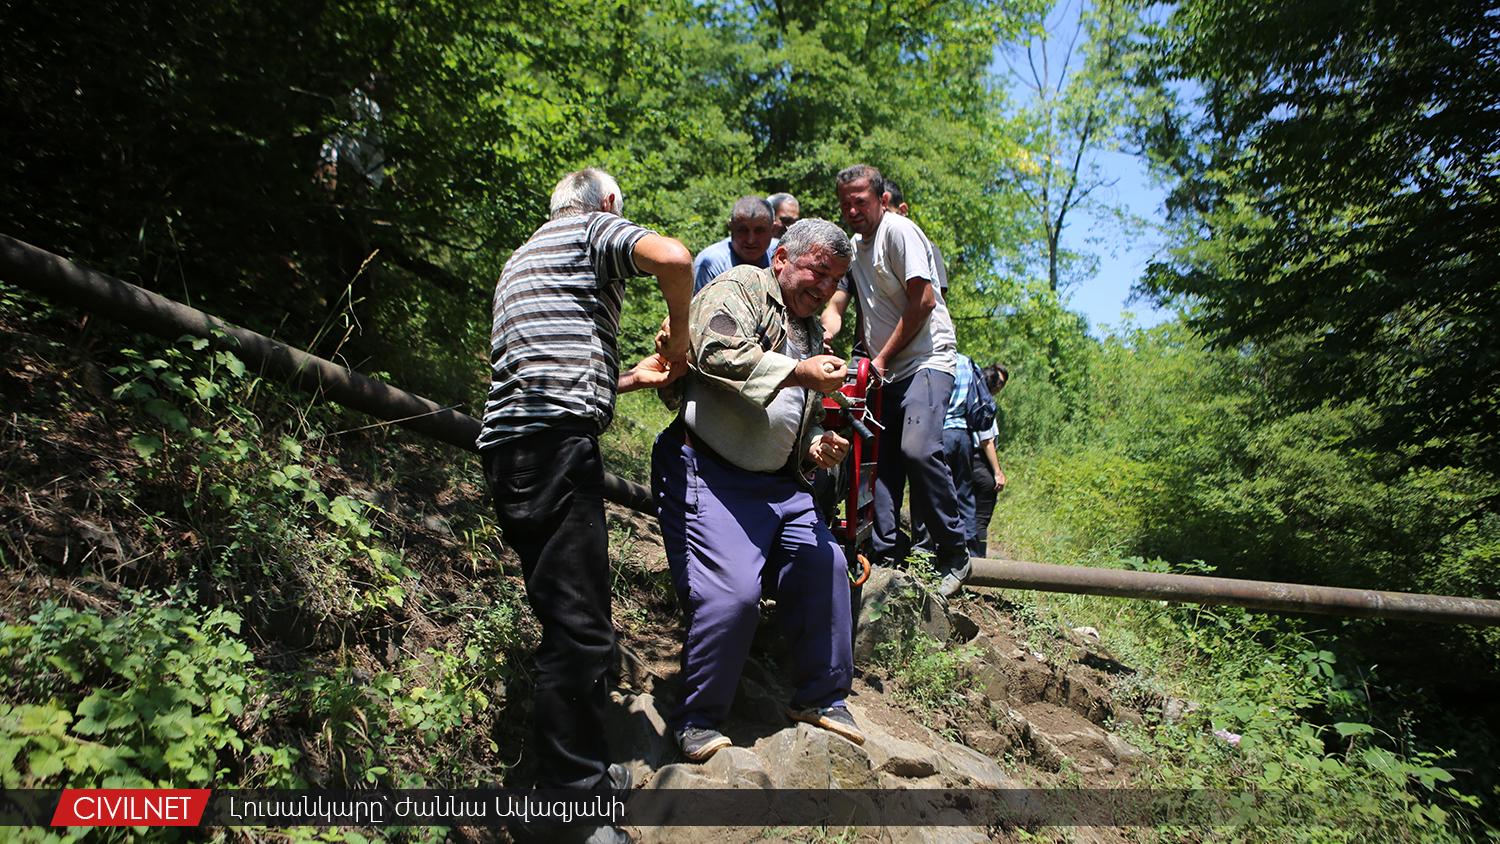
729, 533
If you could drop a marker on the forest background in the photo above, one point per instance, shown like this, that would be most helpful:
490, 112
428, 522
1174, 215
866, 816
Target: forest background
1324, 409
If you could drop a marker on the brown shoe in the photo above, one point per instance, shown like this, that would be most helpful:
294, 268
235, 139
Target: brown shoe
835, 719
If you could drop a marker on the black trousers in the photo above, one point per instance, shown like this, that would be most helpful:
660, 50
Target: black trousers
548, 492
984, 504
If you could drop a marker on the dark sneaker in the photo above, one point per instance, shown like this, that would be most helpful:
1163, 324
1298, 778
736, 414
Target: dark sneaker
699, 743
835, 719
955, 573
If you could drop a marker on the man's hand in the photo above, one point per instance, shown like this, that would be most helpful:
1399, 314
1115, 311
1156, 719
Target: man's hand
672, 346
822, 373
882, 368
653, 373
999, 481
672, 264
828, 450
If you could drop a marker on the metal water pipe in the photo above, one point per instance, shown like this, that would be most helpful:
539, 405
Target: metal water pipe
58, 278
1253, 594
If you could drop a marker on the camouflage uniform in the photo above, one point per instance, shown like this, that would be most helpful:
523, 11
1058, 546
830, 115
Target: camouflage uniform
740, 328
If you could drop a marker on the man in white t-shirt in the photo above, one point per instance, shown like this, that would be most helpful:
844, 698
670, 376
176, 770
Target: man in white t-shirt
910, 336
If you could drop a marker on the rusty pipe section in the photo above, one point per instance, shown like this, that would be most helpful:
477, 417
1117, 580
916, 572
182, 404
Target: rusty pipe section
58, 278
1252, 594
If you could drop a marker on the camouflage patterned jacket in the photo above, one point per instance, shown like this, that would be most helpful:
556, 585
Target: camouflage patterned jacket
744, 345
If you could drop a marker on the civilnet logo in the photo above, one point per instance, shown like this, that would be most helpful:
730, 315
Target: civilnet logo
130, 807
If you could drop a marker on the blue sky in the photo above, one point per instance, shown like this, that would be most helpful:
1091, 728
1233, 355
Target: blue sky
1122, 256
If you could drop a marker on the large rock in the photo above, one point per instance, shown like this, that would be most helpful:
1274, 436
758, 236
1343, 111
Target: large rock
891, 604
990, 680
629, 669
737, 767
682, 775
755, 704
1056, 733
892, 755
637, 734
732, 767
993, 743
808, 757
937, 834
967, 766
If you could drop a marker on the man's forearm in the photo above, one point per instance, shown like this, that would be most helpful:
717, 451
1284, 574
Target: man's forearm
676, 285
994, 460
833, 315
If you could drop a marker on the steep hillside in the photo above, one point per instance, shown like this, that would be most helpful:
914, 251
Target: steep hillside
210, 580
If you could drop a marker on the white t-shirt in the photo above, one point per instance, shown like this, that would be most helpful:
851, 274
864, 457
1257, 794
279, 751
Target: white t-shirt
899, 251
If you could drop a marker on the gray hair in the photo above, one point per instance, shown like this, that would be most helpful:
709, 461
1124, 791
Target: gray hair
861, 171
584, 192
750, 207
807, 233
778, 199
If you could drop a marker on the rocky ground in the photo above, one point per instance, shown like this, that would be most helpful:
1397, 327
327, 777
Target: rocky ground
1034, 710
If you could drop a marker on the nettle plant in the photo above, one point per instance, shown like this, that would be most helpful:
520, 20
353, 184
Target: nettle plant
148, 697
253, 493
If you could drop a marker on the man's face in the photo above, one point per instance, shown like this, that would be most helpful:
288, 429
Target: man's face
808, 282
789, 212
750, 237
861, 207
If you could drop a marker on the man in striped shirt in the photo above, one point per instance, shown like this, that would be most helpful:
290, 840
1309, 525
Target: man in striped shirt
554, 375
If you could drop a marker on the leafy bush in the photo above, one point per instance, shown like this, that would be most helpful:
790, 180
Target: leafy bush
1184, 457
931, 675
149, 697
250, 492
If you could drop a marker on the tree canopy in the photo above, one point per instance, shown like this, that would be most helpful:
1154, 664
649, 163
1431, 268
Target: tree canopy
179, 146
1337, 195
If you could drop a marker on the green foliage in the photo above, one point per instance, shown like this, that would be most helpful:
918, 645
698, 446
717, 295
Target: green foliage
250, 491
1339, 782
1180, 458
931, 675
148, 698
1335, 190
188, 160
425, 724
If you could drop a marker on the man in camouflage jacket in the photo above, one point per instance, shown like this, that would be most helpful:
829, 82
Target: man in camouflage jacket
736, 511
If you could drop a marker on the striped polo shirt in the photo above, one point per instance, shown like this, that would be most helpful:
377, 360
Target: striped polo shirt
556, 313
